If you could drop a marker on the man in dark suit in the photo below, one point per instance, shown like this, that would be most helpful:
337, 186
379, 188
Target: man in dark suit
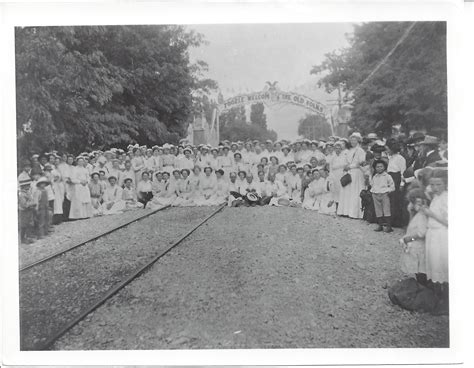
430, 152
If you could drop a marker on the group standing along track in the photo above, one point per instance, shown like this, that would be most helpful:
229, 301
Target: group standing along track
49, 311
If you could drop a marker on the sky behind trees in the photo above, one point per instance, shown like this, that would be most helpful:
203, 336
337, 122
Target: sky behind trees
242, 57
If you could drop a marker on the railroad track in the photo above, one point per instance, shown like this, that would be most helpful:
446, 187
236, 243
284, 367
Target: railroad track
46, 345
82, 243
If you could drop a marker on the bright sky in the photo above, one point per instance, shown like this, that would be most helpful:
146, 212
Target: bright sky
242, 57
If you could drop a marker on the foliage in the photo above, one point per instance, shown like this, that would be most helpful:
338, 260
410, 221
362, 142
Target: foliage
314, 127
92, 87
409, 89
257, 115
234, 126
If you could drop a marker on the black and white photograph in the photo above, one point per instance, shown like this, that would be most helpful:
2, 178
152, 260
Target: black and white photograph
192, 186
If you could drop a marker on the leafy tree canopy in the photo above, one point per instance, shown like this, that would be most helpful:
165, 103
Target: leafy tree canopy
93, 87
409, 89
314, 127
234, 125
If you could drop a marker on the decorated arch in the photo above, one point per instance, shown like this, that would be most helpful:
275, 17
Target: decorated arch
270, 96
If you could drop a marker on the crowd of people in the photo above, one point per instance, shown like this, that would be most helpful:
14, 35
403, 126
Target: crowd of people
390, 182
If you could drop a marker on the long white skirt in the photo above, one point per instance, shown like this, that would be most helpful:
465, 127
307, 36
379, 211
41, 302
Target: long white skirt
437, 254
349, 197
160, 202
183, 202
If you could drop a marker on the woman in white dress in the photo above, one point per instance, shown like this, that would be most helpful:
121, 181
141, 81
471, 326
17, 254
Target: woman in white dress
312, 194
81, 206
222, 188
349, 198
144, 189
113, 202
207, 189
165, 197
327, 205
293, 182
184, 190
138, 164
337, 162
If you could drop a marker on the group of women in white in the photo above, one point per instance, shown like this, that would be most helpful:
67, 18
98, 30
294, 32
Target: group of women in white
303, 173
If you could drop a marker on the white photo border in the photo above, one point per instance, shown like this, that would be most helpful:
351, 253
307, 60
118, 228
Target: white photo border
194, 12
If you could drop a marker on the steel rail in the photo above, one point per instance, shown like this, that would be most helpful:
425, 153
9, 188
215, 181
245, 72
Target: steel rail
107, 232
115, 289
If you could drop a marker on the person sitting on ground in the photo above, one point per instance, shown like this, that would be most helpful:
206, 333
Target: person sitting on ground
113, 202
279, 194
129, 195
184, 191
251, 192
97, 191
222, 188
144, 189
167, 196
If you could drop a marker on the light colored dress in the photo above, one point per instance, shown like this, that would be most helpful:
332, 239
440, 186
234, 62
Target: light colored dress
349, 198
165, 197
184, 191
280, 191
81, 206
138, 166
207, 188
97, 192
437, 241
113, 199
222, 192
413, 259
294, 187
336, 171
327, 205
129, 195
313, 194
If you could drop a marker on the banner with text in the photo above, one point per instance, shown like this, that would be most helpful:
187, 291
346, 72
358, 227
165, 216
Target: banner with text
268, 97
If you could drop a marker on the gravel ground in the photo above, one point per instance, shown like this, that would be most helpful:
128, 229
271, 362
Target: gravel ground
51, 294
73, 232
265, 278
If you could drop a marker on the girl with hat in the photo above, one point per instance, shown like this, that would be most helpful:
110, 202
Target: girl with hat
42, 207
349, 199
337, 163
80, 196
26, 211
97, 191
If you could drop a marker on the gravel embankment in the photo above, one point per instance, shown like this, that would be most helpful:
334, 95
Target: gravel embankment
265, 278
73, 232
51, 294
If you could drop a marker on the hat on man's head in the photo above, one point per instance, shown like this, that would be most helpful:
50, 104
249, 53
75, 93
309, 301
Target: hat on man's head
112, 177
372, 136
430, 140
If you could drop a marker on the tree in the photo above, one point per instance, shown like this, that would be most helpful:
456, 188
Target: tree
314, 127
257, 115
410, 88
82, 88
234, 126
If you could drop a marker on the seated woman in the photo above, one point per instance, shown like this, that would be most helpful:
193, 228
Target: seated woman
207, 189
144, 189
294, 182
281, 175
184, 191
278, 192
165, 197
113, 202
129, 195
97, 192
157, 185
222, 188
327, 205
312, 195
